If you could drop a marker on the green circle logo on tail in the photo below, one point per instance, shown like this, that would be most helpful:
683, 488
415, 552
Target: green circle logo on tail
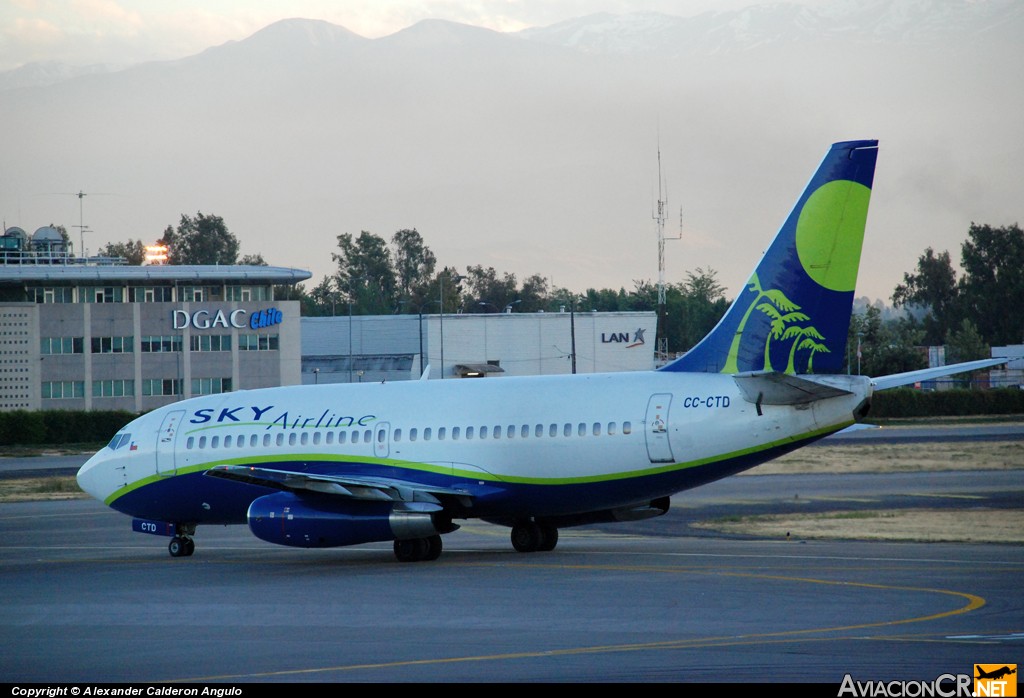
830, 233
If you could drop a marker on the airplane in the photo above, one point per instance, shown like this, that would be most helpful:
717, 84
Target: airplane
336, 465
996, 674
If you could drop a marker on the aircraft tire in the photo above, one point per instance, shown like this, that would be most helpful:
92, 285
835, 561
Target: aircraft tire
412, 550
548, 538
434, 547
527, 537
190, 547
178, 546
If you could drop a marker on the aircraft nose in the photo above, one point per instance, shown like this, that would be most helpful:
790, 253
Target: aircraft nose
91, 478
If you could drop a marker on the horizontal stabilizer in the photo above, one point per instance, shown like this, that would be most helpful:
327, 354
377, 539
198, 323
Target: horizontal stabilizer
910, 377
783, 389
352, 487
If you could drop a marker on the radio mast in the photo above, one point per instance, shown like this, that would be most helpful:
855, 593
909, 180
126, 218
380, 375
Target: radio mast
661, 345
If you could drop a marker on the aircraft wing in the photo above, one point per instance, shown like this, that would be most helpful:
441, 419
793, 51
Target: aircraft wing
897, 379
352, 487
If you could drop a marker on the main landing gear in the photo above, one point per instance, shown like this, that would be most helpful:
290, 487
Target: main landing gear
181, 546
418, 549
532, 537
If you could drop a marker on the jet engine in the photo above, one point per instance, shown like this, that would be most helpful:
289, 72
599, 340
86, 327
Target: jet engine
324, 521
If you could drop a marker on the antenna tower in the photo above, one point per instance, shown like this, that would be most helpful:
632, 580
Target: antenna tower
659, 218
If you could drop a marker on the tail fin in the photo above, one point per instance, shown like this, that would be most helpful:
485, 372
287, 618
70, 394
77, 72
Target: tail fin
793, 314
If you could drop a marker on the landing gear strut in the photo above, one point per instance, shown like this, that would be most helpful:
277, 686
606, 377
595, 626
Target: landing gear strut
531, 537
181, 546
418, 549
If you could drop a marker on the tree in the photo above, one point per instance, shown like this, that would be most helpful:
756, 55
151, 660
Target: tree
133, 251
886, 347
414, 263
933, 288
992, 289
365, 273
200, 240
253, 260
487, 291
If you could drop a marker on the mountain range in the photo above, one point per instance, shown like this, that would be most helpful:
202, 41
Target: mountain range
536, 152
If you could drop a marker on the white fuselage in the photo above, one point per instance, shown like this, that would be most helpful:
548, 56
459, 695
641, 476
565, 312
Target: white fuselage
522, 446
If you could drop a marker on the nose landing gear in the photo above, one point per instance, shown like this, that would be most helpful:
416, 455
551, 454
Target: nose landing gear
181, 546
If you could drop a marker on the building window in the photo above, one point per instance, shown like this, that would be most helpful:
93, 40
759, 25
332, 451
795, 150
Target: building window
61, 345
161, 386
113, 345
113, 388
160, 344
210, 386
258, 342
62, 390
51, 294
101, 294
210, 342
151, 294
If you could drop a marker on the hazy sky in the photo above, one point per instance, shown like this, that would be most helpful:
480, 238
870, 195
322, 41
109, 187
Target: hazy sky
945, 162
111, 31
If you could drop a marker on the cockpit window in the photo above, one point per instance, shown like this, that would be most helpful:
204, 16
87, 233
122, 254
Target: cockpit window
119, 440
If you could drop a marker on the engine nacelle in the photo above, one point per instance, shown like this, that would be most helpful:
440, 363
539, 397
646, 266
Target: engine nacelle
321, 521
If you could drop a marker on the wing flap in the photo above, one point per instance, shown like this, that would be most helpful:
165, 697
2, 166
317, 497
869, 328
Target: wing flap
420, 497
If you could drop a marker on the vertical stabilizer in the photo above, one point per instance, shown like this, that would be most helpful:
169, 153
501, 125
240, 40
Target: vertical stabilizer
793, 314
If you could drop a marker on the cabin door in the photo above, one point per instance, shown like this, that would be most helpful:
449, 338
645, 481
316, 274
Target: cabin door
165, 441
659, 450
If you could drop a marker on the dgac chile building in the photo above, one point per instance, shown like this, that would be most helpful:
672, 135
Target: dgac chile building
114, 337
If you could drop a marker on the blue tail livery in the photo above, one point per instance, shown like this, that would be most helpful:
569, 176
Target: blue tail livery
793, 313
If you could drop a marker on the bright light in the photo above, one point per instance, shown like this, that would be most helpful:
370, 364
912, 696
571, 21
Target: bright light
156, 254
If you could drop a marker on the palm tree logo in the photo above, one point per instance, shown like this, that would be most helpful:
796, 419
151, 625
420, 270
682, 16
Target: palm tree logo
782, 312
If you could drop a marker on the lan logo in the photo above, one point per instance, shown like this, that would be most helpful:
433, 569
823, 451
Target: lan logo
995, 680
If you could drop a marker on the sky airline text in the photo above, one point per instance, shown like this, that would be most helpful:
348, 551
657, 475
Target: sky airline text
252, 413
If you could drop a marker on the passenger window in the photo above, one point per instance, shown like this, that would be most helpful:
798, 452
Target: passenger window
227, 441
266, 439
553, 430
291, 439
627, 428
611, 428
525, 431
189, 442
567, 430
304, 439
440, 434
342, 436
496, 433
397, 435
413, 434
538, 431
330, 437
597, 428
316, 438
581, 430
355, 437
280, 439
483, 432
381, 435
367, 436
469, 432
215, 442
253, 441
202, 442
455, 433
426, 434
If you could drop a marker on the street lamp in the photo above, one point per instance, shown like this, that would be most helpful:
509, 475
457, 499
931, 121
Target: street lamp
440, 283
351, 279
